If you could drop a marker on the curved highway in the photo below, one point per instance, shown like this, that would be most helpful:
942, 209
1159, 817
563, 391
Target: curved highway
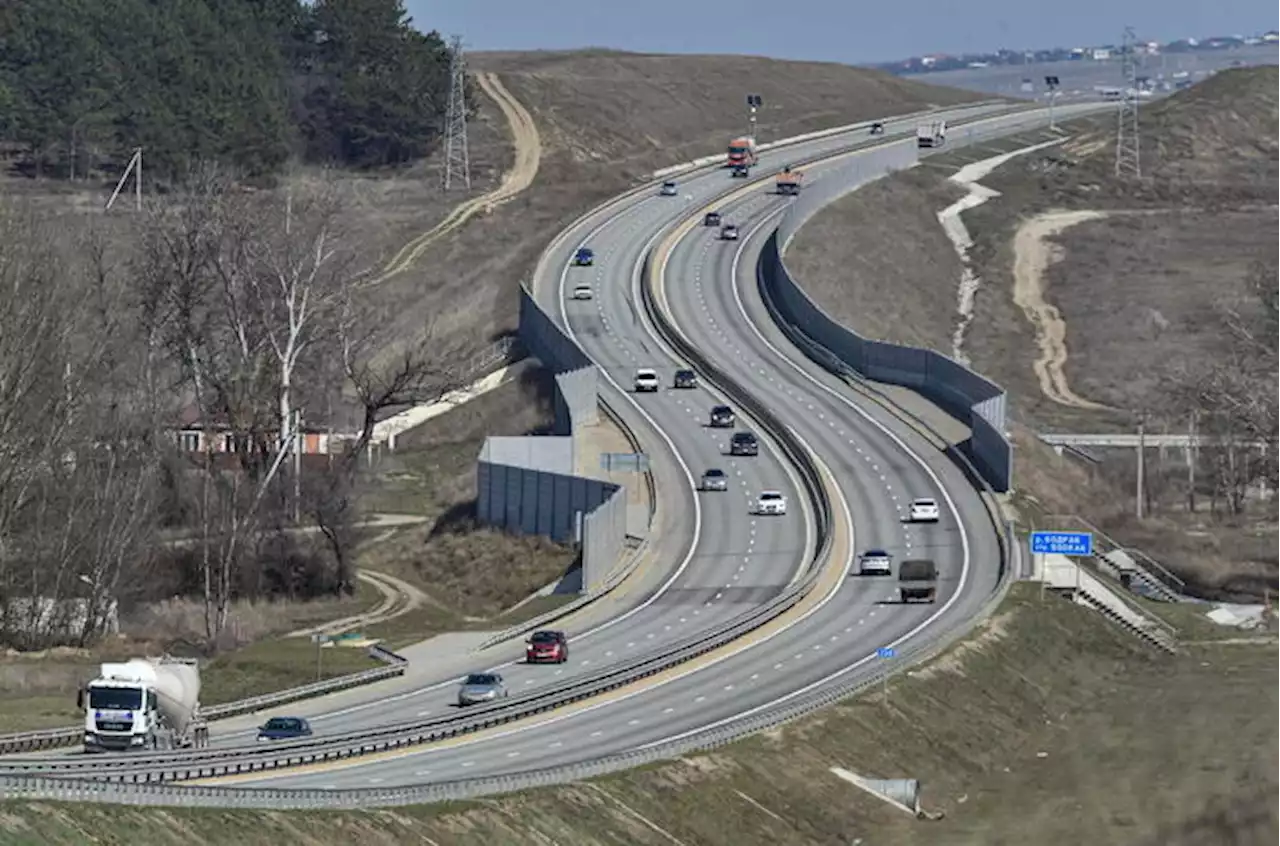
726, 558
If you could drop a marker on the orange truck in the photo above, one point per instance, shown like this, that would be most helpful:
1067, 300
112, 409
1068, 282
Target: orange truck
742, 153
789, 181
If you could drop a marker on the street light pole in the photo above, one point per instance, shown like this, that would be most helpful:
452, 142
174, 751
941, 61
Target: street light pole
1142, 463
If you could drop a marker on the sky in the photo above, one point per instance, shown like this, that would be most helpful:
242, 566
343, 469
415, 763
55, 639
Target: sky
848, 31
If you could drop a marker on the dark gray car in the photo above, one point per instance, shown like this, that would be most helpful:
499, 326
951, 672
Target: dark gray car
744, 443
715, 480
685, 379
722, 417
478, 688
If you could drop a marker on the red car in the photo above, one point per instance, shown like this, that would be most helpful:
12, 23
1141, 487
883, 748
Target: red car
547, 646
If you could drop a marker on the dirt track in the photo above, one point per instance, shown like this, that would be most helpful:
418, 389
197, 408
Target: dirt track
1032, 256
528, 148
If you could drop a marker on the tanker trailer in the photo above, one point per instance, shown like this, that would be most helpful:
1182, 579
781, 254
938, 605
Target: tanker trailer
144, 703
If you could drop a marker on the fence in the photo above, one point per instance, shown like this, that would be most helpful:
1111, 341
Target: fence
528, 485
944, 381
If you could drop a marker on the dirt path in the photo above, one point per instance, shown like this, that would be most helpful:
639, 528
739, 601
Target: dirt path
398, 598
528, 147
1033, 254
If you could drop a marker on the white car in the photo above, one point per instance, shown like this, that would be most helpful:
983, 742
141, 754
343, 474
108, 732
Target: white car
875, 562
646, 380
771, 502
729, 232
923, 511
582, 292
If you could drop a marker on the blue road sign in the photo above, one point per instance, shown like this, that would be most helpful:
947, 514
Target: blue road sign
884, 652
1062, 543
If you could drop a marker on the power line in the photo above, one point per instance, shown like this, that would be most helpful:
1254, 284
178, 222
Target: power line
1128, 142
457, 157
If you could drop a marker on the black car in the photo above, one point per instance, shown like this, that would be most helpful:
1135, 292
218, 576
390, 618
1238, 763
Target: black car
284, 728
744, 443
712, 219
877, 128
722, 417
685, 379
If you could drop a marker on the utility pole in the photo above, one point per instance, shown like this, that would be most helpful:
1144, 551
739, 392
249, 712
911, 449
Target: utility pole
1142, 463
1128, 143
457, 157
134, 167
1051, 83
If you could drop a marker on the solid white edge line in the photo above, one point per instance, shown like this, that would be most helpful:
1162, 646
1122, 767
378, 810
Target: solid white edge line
552, 720
964, 539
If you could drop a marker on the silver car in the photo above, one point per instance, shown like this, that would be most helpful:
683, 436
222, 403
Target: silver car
715, 480
668, 189
481, 687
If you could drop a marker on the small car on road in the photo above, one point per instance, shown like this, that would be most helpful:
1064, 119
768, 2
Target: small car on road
479, 688
646, 380
875, 562
715, 480
711, 219
729, 232
923, 510
547, 646
284, 728
668, 189
722, 417
582, 292
877, 128
685, 379
771, 502
584, 257
744, 443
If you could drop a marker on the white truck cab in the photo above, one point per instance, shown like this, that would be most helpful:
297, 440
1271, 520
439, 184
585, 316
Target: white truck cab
143, 703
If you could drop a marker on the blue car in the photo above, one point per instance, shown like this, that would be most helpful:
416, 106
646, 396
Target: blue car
284, 728
584, 257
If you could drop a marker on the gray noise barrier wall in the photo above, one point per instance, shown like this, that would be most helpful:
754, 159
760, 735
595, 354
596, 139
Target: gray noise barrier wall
528, 485
957, 389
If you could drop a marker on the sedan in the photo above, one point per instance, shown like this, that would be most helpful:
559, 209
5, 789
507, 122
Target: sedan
744, 443
584, 258
771, 502
284, 728
729, 232
875, 562
685, 379
668, 189
923, 510
715, 480
582, 292
722, 417
711, 219
478, 688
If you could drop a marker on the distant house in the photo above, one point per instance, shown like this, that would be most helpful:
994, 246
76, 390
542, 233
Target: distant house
197, 436
1101, 54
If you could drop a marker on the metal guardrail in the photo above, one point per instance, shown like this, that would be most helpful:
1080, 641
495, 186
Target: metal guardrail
150, 793
30, 741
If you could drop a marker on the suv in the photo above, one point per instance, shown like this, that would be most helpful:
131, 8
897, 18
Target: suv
875, 562
722, 417
685, 379
668, 189
646, 380
729, 232
715, 480
744, 443
712, 219
549, 646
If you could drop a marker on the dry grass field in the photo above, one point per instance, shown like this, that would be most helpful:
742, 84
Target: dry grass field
1047, 725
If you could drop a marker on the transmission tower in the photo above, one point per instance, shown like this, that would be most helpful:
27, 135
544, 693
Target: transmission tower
1128, 142
457, 158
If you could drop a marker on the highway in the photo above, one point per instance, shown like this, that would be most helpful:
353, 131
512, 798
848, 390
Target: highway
737, 557
725, 558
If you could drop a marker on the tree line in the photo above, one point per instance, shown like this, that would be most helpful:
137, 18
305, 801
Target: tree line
247, 83
240, 307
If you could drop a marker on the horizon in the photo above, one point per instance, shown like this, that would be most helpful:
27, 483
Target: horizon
854, 36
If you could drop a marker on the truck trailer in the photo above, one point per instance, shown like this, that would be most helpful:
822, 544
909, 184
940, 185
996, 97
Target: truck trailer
917, 580
789, 181
931, 134
144, 703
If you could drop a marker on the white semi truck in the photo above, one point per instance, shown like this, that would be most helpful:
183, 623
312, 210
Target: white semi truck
144, 703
